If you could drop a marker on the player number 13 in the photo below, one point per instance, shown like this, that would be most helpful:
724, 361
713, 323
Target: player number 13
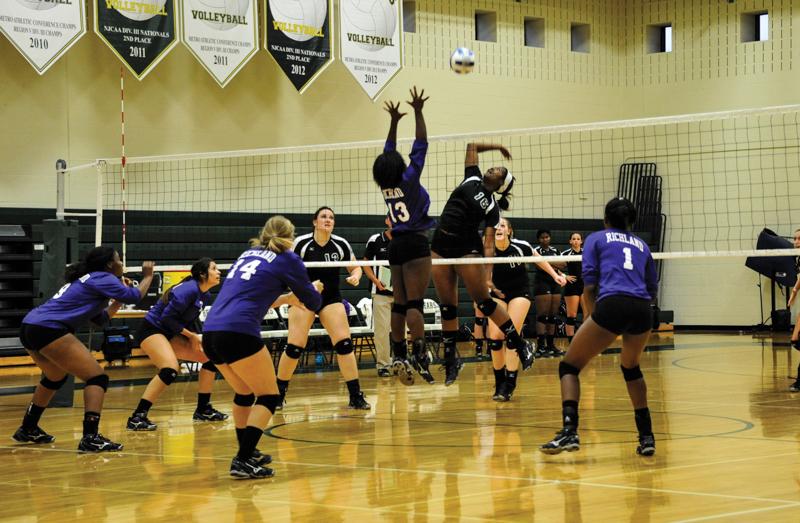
399, 212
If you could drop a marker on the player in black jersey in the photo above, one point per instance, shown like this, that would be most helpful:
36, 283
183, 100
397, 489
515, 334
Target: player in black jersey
471, 204
509, 288
795, 387
573, 292
323, 245
547, 294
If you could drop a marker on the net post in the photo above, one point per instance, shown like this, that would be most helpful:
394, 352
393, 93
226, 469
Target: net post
98, 221
61, 166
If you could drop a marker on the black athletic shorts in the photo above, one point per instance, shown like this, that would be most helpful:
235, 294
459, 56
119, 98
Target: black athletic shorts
329, 298
145, 330
409, 246
546, 285
229, 347
35, 337
449, 245
510, 295
574, 289
624, 315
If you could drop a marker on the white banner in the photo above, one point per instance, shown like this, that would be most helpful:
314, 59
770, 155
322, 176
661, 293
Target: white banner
42, 30
221, 34
371, 41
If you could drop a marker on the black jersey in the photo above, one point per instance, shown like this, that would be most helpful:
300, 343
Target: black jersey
541, 274
469, 205
337, 249
512, 277
574, 268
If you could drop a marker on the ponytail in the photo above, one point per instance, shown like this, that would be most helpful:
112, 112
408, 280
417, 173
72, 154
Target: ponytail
198, 271
276, 236
95, 260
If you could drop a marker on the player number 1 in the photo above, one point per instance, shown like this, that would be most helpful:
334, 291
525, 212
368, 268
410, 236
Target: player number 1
628, 265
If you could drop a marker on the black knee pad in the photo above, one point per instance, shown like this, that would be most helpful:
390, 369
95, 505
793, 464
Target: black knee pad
565, 368
541, 318
52, 385
495, 345
293, 351
167, 375
415, 304
399, 308
99, 381
244, 400
449, 312
571, 320
483, 322
487, 307
209, 366
343, 347
631, 374
270, 401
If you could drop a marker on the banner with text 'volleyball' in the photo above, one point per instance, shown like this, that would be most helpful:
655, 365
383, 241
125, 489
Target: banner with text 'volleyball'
140, 32
42, 30
371, 41
298, 36
221, 34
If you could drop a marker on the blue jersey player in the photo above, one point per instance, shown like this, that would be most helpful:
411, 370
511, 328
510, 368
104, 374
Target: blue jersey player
409, 251
620, 281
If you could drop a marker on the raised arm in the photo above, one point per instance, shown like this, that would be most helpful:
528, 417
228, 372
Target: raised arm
395, 115
473, 149
418, 100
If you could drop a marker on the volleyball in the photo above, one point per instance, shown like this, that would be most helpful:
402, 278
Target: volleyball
371, 18
310, 14
37, 5
236, 8
142, 10
462, 61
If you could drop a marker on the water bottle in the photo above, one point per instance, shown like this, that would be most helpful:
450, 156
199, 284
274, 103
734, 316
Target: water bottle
319, 360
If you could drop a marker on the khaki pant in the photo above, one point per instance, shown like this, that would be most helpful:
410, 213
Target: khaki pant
382, 325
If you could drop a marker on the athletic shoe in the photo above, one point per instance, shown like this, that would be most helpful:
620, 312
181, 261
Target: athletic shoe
281, 404
451, 369
97, 443
525, 353
384, 373
565, 439
34, 435
795, 387
478, 354
553, 352
358, 402
404, 371
647, 445
540, 353
261, 458
209, 413
139, 421
504, 392
249, 469
421, 363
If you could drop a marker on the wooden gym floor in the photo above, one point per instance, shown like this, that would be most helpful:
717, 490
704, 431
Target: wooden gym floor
728, 449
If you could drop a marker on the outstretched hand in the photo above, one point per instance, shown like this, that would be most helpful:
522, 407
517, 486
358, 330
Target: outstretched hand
418, 99
506, 154
393, 110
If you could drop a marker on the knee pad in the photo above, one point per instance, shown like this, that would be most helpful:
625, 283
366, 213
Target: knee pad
571, 320
209, 366
293, 351
52, 385
487, 307
566, 368
270, 401
482, 321
542, 318
495, 345
415, 304
167, 375
343, 347
99, 381
244, 400
631, 374
449, 312
399, 308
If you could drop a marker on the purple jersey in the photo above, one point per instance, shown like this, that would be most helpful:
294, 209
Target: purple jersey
254, 282
408, 203
620, 263
81, 300
183, 306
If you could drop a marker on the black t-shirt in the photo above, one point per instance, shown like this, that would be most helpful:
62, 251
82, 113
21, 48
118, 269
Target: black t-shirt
510, 277
378, 249
541, 275
574, 268
469, 205
337, 249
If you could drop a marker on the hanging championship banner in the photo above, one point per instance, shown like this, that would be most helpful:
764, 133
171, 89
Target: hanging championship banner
221, 34
42, 30
140, 32
371, 41
298, 36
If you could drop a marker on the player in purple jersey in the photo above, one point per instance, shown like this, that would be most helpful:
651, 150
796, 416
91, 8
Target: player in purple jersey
47, 333
409, 252
165, 337
232, 334
620, 281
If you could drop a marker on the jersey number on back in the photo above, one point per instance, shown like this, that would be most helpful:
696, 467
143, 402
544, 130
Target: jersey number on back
246, 271
399, 212
628, 263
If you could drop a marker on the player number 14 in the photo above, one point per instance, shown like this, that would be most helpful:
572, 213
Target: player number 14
628, 264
